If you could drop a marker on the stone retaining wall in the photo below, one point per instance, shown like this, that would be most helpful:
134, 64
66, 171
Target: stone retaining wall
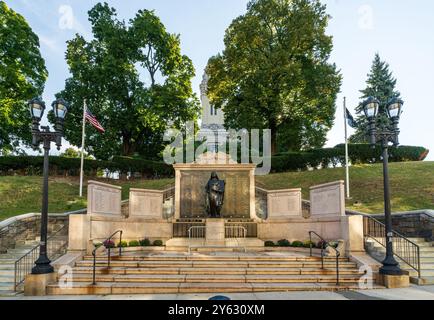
26, 227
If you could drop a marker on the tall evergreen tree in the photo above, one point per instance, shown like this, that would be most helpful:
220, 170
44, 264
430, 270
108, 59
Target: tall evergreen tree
381, 85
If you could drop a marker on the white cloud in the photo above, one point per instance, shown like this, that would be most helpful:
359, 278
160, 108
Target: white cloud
50, 44
366, 17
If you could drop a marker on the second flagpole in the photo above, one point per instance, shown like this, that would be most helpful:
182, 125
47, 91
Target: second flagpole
347, 169
83, 134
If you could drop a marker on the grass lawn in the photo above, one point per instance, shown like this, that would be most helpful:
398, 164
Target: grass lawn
412, 188
411, 185
20, 194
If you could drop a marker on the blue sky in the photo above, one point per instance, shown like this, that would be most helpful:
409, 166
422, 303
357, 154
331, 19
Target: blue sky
401, 31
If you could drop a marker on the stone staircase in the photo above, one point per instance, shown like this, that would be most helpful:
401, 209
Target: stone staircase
7, 266
426, 259
217, 272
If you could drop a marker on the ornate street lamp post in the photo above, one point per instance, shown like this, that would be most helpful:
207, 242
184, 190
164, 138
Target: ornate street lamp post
44, 136
384, 135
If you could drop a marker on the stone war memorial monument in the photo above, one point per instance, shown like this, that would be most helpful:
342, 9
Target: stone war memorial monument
214, 192
213, 223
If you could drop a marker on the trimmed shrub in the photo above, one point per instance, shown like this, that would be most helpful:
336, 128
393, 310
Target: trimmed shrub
288, 161
109, 244
297, 244
320, 244
98, 244
157, 243
283, 243
122, 244
145, 243
269, 244
308, 243
32, 165
133, 243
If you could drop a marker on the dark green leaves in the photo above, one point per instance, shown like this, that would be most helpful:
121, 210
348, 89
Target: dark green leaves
22, 77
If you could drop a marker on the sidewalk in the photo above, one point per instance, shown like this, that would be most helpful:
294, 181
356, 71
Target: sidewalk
411, 293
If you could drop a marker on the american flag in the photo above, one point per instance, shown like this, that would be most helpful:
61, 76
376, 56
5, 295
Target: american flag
93, 121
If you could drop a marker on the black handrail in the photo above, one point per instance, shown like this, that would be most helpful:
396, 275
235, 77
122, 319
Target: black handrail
108, 255
405, 249
24, 264
324, 245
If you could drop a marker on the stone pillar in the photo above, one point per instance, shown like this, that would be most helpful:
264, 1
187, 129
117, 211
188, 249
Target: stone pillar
215, 232
352, 233
79, 232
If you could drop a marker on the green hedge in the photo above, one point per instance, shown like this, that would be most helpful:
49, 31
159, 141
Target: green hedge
32, 165
358, 153
291, 161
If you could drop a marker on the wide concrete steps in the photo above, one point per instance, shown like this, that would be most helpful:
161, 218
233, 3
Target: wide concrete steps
182, 273
426, 260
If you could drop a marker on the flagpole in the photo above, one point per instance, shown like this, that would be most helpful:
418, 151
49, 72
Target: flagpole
83, 134
347, 169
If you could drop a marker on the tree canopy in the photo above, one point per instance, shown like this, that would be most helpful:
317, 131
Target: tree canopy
135, 81
381, 85
22, 77
274, 73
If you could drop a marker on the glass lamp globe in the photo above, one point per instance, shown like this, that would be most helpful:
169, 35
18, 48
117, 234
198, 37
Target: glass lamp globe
394, 108
37, 107
60, 108
370, 107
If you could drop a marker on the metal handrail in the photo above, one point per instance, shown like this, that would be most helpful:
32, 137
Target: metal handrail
234, 232
325, 244
108, 255
28, 259
408, 252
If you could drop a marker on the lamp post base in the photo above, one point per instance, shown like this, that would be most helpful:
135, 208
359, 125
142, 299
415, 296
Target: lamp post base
394, 281
390, 267
42, 266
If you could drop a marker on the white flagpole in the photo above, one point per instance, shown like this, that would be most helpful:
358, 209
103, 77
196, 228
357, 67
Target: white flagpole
83, 134
347, 169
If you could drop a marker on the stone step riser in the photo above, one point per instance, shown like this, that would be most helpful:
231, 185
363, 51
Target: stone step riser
423, 249
210, 280
101, 290
212, 259
206, 272
215, 265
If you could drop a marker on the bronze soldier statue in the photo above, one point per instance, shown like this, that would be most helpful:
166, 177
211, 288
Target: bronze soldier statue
215, 190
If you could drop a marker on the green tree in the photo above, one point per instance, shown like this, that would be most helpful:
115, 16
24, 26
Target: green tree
22, 77
274, 73
135, 81
73, 153
381, 85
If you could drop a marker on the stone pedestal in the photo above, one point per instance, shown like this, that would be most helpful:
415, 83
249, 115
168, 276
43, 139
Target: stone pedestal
36, 284
394, 281
215, 232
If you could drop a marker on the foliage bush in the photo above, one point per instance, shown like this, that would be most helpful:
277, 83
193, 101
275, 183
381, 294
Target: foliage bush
109, 244
157, 243
283, 243
123, 244
308, 243
297, 244
289, 161
269, 244
32, 165
133, 243
358, 153
145, 243
320, 244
